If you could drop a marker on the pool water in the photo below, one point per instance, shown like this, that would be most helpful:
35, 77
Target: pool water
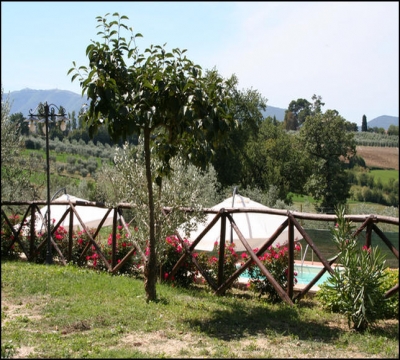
305, 274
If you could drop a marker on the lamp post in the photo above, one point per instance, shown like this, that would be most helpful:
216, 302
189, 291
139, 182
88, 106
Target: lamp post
46, 114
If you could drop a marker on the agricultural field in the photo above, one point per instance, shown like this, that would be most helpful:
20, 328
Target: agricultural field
380, 157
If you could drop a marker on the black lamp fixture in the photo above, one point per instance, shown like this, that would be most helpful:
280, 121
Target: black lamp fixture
47, 114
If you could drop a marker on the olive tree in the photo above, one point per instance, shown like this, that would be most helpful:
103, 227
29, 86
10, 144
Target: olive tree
15, 183
187, 186
159, 95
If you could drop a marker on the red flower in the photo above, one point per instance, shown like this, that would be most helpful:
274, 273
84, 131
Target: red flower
366, 248
213, 259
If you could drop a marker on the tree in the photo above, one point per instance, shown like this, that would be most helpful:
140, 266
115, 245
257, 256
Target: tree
274, 159
364, 126
18, 120
246, 107
317, 104
299, 109
290, 121
161, 96
296, 113
328, 145
186, 187
351, 126
393, 130
14, 180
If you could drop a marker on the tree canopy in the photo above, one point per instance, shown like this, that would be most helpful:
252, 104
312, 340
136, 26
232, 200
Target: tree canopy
159, 95
328, 144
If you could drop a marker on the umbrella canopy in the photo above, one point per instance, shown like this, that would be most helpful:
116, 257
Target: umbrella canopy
90, 215
256, 228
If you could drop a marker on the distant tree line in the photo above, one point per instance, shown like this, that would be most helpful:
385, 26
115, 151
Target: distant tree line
365, 188
259, 155
392, 130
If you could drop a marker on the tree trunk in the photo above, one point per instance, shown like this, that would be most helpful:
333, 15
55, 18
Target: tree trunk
150, 268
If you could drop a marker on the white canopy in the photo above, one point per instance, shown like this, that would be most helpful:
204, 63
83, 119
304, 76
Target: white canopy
256, 228
90, 215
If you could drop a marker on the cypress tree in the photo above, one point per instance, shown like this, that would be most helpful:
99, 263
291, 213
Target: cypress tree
364, 126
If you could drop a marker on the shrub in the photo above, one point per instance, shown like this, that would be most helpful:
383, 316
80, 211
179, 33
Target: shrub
123, 246
7, 237
355, 289
390, 306
80, 241
210, 262
276, 261
84, 172
186, 273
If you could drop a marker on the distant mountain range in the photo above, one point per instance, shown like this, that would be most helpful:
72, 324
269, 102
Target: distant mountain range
27, 99
383, 121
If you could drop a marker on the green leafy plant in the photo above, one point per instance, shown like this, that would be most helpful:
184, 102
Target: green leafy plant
8, 350
354, 288
390, 307
276, 260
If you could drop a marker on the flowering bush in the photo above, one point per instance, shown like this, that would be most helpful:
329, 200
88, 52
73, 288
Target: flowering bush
276, 260
7, 237
187, 272
40, 236
123, 246
210, 262
80, 241
356, 290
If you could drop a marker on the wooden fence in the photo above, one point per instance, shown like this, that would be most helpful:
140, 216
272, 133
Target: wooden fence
369, 223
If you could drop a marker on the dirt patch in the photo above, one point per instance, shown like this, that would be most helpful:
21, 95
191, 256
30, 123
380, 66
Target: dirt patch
381, 157
29, 310
190, 345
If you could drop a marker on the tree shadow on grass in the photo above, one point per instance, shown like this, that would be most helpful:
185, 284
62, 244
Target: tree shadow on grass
242, 321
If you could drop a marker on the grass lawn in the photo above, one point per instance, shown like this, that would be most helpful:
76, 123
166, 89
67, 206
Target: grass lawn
69, 312
385, 175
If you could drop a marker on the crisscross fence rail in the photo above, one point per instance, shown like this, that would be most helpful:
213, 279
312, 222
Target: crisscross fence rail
369, 224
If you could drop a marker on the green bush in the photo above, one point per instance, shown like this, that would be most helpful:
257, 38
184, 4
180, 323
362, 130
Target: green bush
354, 288
390, 306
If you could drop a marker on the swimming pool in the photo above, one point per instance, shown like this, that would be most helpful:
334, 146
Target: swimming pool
305, 274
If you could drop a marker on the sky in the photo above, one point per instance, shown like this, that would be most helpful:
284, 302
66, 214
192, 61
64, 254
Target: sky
345, 52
